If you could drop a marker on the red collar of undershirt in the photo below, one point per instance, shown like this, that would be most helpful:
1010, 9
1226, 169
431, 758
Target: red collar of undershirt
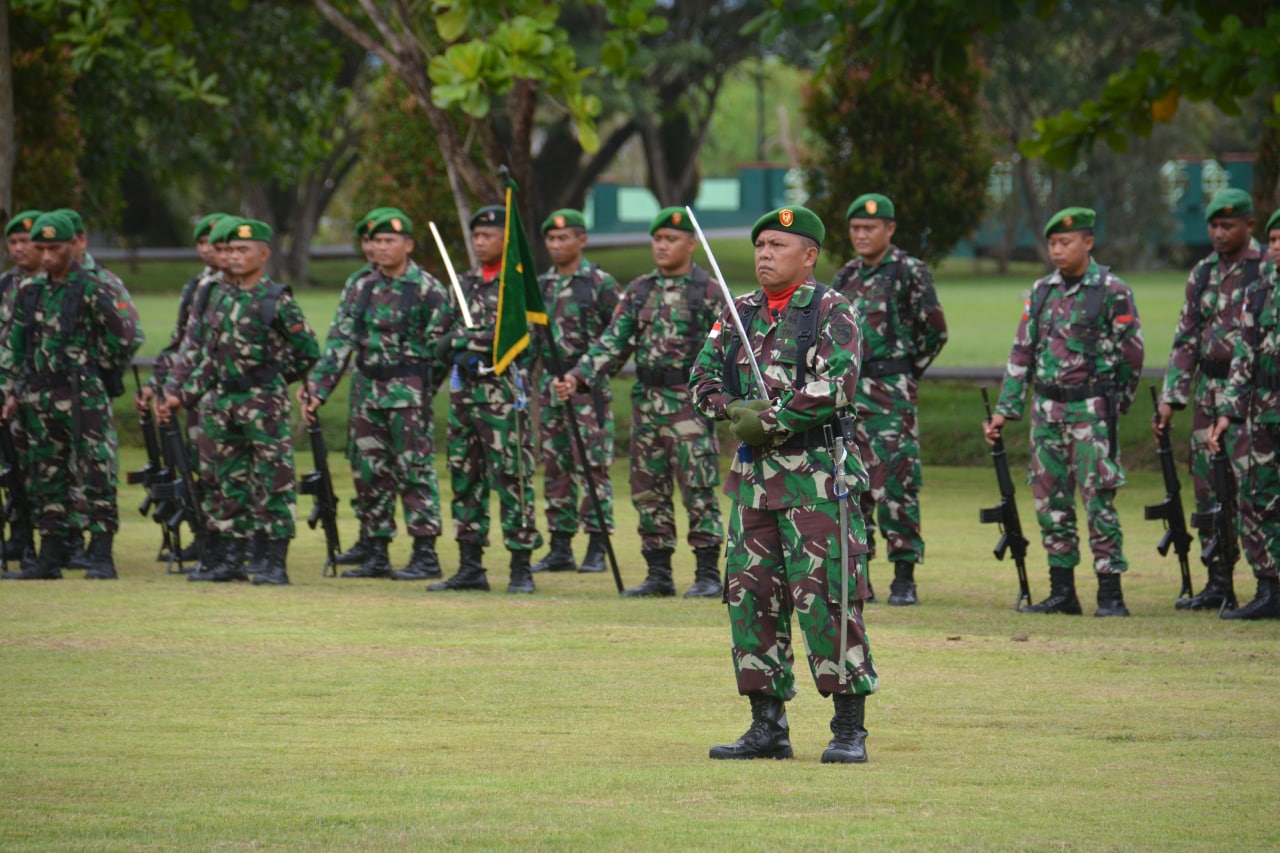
779, 301
490, 271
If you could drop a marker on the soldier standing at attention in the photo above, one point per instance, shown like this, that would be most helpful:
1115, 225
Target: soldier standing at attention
390, 321
663, 318
72, 330
490, 432
580, 299
786, 555
903, 330
1202, 349
26, 264
256, 342
1079, 349
1252, 398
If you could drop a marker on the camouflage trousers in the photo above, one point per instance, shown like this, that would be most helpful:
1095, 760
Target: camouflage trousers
248, 456
491, 445
71, 485
395, 456
562, 465
889, 442
1259, 473
672, 444
1065, 456
1237, 441
785, 562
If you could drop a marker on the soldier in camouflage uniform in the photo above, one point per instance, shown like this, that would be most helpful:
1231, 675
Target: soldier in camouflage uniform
903, 330
359, 552
580, 300
255, 342
1201, 355
786, 555
26, 264
490, 432
1079, 349
1251, 398
390, 321
74, 330
1273, 238
664, 318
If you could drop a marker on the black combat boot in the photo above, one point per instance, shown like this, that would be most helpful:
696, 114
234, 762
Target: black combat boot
20, 542
471, 574
1218, 589
768, 737
594, 560
1265, 604
77, 556
560, 557
423, 563
902, 592
211, 554
848, 732
101, 564
521, 580
54, 552
658, 581
229, 565
356, 554
706, 577
1062, 593
257, 554
1110, 598
275, 569
377, 564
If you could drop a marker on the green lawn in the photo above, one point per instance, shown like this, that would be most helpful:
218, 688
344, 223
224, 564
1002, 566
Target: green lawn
150, 713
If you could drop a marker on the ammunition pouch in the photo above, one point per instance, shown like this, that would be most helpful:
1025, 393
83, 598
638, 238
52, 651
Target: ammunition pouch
1212, 369
662, 378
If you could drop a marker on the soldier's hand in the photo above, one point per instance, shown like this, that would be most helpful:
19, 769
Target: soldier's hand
142, 400
747, 427
564, 387
309, 400
991, 428
1215, 433
10, 407
167, 407
1163, 419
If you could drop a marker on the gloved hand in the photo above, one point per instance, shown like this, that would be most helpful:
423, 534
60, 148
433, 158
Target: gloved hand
756, 405
444, 349
746, 426
467, 362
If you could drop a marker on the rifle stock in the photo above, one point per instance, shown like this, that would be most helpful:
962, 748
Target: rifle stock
1005, 514
319, 484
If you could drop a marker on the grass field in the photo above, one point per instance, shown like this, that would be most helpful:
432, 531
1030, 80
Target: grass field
150, 713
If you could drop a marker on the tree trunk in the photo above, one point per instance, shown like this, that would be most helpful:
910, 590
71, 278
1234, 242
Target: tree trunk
1266, 172
8, 140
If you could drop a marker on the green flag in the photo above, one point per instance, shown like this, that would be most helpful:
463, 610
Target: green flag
519, 299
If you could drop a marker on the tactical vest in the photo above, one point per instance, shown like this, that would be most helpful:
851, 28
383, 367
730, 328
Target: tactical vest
1266, 373
72, 298
800, 322
1250, 269
261, 375
402, 369
1094, 300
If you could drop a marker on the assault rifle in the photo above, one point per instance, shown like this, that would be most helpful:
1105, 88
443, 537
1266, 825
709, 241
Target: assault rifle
1217, 525
1170, 509
16, 505
152, 477
319, 484
1005, 514
178, 494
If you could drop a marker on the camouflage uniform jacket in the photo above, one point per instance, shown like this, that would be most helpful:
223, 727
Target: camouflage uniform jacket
1053, 348
796, 468
394, 353
658, 321
188, 302
579, 309
239, 355
1205, 331
482, 301
105, 335
1253, 386
897, 309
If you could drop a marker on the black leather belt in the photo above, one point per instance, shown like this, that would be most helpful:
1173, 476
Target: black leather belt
1215, 369
812, 437
1074, 393
886, 367
667, 378
383, 372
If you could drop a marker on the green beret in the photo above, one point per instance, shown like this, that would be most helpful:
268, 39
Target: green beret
671, 217
1070, 219
870, 206
1272, 223
205, 225
564, 218
390, 221
792, 220
494, 215
54, 227
250, 229
362, 224
74, 216
22, 222
1229, 202
222, 228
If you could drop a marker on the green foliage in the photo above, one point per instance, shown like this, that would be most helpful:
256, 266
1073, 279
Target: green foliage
916, 140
